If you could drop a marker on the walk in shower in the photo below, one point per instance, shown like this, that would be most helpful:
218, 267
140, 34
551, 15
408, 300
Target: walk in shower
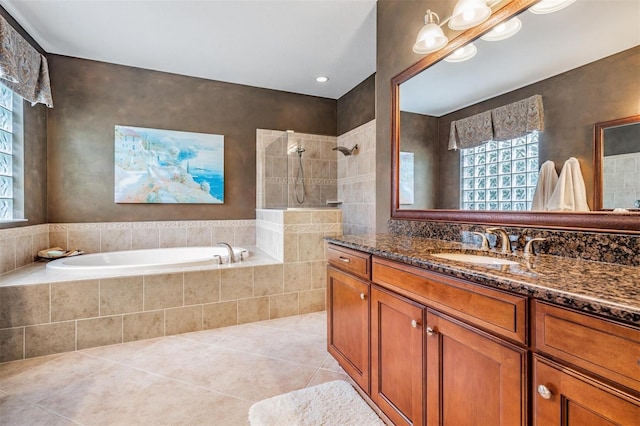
296, 170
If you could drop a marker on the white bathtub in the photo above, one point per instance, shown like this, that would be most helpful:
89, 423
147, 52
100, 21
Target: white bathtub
145, 259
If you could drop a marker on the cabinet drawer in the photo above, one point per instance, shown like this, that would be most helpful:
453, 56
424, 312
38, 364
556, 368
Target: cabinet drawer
492, 310
352, 261
606, 348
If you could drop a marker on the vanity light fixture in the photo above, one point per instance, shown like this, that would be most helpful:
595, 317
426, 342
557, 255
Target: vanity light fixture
431, 37
504, 30
549, 6
462, 54
468, 14
322, 79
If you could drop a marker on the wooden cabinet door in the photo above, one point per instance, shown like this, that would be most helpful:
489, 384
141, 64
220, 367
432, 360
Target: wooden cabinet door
348, 324
472, 378
564, 397
397, 357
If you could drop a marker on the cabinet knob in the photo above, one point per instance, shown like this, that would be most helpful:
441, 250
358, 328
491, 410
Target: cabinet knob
345, 260
431, 332
414, 323
544, 392
363, 296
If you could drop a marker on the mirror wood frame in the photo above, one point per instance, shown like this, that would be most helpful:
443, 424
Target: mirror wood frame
598, 221
598, 153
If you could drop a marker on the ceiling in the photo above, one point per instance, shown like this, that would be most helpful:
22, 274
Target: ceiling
274, 44
546, 45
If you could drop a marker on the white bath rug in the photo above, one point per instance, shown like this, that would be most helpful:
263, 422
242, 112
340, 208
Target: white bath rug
334, 403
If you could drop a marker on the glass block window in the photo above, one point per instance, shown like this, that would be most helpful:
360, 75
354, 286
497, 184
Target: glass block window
499, 175
11, 196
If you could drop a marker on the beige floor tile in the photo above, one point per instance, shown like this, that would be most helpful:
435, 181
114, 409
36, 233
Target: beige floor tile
167, 354
48, 378
14, 368
243, 375
324, 376
14, 411
331, 364
97, 399
172, 402
315, 323
119, 352
202, 378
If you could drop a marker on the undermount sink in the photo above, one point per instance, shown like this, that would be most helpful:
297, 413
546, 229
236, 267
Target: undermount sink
474, 258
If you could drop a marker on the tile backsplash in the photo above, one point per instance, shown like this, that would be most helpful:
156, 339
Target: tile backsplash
600, 247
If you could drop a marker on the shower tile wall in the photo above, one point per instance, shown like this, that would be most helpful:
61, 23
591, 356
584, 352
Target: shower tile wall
621, 181
320, 166
357, 180
277, 171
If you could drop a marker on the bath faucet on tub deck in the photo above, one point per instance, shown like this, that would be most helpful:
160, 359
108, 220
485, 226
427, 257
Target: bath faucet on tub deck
232, 257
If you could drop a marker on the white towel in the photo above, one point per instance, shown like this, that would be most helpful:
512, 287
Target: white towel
570, 193
547, 179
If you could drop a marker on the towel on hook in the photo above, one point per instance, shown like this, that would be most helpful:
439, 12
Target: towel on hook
570, 193
547, 180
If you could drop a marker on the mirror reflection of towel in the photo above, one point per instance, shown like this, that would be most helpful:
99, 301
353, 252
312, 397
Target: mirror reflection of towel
570, 193
547, 180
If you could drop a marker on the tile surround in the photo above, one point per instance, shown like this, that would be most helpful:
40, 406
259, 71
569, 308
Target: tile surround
277, 170
47, 318
357, 180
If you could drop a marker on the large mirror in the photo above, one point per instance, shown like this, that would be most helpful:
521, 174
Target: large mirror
617, 161
584, 76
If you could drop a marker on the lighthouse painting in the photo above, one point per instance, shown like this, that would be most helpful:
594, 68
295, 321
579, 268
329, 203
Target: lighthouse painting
168, 166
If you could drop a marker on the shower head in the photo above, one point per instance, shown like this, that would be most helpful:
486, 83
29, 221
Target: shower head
346, 151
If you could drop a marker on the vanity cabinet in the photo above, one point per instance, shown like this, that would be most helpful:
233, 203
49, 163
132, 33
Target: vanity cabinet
348, 291
445, 351
586, 369
397, 356
565, 397
472, 377
468, 376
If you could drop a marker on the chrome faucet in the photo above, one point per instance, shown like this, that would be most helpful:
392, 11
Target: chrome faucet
232, 257
504, 237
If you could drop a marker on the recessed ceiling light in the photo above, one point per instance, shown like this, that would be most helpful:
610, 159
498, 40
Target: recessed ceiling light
322, 79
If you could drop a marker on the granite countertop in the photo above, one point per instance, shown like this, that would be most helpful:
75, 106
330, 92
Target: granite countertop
604, 289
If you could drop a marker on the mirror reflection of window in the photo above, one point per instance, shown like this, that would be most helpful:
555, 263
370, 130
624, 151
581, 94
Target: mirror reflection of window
500, 175
621, 167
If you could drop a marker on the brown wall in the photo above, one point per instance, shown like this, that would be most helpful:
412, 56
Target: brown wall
398, 23
622, 140
92, 97
416, 133
573, 102
358, 106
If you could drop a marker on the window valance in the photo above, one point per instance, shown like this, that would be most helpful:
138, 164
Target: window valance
506, 122
22, 68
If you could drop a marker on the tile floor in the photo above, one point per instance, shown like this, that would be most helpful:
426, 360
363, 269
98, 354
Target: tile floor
204, 378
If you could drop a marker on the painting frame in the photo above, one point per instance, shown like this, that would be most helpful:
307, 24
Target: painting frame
160, 166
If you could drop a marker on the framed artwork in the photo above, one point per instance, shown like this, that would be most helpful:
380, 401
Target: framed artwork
406, 178
168, 166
